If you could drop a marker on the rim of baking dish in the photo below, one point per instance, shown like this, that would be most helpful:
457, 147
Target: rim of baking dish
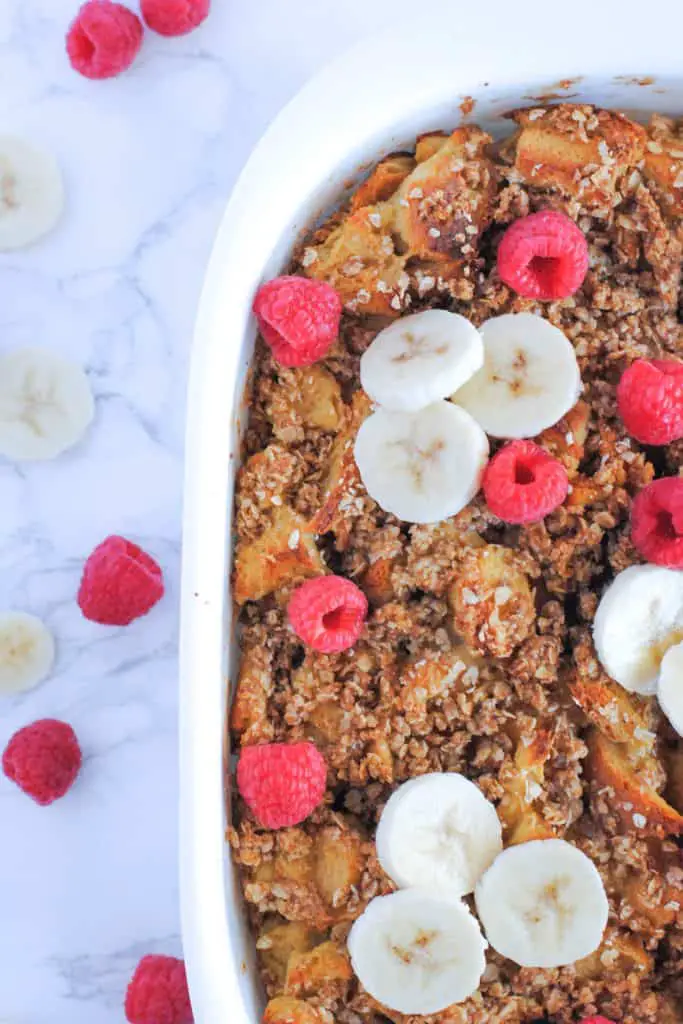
359, 106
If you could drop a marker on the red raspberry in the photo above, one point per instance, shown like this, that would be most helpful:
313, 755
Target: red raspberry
657, 522
104, 39
174, 17
596, 1020
543, 256
522, 483
43, 759
282, 783
328, 613
298, 318
650, 400
157, 993
120, 583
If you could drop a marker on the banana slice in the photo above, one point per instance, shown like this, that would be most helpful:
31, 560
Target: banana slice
31, 193
529, 380
417, 952
27, 652
438, 831
542, 904
45, 404
420, 359
421, 466
639, 617
670, 688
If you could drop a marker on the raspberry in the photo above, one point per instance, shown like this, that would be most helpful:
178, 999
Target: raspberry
43, 759
282, 783
104, 39
120, 583
298, 318
328, 613
157, 993
596, 1020
650, 400
174, 17
523, 483
657, 522
543, 256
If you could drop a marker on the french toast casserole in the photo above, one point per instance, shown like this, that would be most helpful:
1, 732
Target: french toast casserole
456, 563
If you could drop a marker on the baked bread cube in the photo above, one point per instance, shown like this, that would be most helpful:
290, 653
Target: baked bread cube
663, 164
639, 807
491, 601
285, 1010
306, 396
278, 942
522, 821
343, 485
445, 204
324, 970
618, 954
383, 180
359, 259
249, 713
579, 150
285, 553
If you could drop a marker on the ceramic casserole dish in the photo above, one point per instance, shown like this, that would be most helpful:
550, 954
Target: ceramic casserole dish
376, 98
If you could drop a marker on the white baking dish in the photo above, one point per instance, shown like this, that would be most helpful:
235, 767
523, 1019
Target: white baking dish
370, 101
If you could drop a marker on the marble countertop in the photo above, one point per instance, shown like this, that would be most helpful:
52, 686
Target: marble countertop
89, 885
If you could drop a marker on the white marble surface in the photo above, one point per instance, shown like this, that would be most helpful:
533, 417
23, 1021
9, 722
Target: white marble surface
89, 884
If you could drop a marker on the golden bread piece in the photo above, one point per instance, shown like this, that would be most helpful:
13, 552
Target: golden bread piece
435, 678
317, 970
383, 180
339, 861
641, 809
278, 943
491, 601
521, 821
442, 208
577, 149
285, 553
619, 953
343, 479
656, 894
622, 716
428, 144
376, 581
310, 879
358, 258
567, 438
325, 722
249, 712
663, 164
306, 396
285, 1010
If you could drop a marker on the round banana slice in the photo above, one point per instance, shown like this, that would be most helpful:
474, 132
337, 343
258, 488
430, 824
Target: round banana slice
438, 831
422, 466
31, 193
670, 689
529, 380
27, 652
420, 359
542, 904
417, 952
639, 617
45, 404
